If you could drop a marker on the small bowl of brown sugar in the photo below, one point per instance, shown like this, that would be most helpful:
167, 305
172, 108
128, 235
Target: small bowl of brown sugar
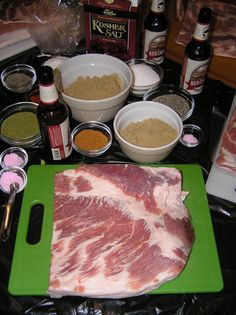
19, 78
91, 138
147, 133
174, 97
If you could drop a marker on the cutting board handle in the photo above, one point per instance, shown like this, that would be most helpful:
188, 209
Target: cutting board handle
35, 224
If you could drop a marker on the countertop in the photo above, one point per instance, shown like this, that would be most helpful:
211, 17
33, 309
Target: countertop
225, 231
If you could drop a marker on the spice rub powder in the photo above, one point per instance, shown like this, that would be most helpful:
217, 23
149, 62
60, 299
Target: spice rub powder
149, 133
90, 139
20, 125
95, 88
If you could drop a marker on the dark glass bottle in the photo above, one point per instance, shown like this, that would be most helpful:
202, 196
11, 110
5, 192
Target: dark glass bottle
53, 118
197, 55
155, 32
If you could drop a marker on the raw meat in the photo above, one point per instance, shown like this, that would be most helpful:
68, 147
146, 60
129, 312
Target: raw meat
227, 155
17, 17
119, 230
52, 21
223, 38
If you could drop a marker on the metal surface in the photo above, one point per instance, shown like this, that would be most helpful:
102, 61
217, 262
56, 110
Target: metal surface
6, 222
30, 266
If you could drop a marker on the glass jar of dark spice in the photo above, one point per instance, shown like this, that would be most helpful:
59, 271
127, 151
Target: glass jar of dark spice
174, 97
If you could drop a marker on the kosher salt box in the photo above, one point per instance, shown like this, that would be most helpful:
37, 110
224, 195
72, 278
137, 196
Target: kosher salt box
111, 27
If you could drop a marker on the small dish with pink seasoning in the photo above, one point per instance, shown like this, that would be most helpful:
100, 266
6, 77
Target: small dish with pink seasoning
192, 135
13, 156
9, 175
12, 181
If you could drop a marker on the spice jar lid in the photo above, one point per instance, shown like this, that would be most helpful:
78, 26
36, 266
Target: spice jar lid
91, 138
192, 135
19, 78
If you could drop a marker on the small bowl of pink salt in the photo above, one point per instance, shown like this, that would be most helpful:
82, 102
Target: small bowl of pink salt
13, 156
192, 135
9, 175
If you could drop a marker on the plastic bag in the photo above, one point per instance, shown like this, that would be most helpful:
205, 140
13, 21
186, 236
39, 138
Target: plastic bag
58, 27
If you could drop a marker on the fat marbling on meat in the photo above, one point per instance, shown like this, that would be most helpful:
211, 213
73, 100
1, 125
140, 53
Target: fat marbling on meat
119, 230
227, 154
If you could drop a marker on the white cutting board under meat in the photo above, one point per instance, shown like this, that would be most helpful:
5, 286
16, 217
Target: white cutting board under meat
221, 183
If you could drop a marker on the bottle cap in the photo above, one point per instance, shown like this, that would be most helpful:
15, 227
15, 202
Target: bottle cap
45, 74
204, 15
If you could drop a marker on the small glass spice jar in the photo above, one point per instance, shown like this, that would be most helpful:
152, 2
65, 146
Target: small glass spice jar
192, 135
13, 156
174, 97
91, 138
19, 78
8, 175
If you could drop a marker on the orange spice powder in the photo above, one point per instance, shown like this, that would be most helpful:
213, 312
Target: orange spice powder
90, 139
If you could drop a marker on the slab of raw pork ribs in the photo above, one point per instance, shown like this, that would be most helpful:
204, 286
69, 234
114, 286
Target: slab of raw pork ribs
227, 154
119, 230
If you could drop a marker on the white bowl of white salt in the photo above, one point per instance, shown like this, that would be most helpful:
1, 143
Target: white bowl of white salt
147, 75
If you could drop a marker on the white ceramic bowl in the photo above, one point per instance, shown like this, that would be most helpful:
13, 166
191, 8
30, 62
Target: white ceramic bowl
138, 111
91, 65
147, 75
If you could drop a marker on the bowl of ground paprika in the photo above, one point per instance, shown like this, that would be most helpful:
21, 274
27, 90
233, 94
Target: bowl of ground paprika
91, 138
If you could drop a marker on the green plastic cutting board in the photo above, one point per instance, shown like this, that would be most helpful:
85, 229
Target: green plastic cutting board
30, 266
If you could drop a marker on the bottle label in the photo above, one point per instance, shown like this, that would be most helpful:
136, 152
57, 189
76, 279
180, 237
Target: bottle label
193, 75
158, 6
154, 45
201, 31
48, 93
59, 138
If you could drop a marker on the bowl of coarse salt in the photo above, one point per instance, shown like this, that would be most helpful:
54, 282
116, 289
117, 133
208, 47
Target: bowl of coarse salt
147, 75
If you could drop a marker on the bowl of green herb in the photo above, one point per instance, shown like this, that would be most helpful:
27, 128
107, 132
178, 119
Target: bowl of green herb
19, 125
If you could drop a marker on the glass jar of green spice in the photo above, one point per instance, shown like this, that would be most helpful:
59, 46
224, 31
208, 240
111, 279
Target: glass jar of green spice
19, 125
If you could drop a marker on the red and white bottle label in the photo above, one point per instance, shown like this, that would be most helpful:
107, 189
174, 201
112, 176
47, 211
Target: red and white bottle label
154, 46
193, 75
59, 137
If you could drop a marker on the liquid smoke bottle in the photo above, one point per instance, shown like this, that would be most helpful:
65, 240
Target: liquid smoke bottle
155, 32
53, 118
197, 55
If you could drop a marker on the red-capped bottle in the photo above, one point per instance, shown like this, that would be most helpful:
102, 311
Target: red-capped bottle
155, 34
53, 117
197, 55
